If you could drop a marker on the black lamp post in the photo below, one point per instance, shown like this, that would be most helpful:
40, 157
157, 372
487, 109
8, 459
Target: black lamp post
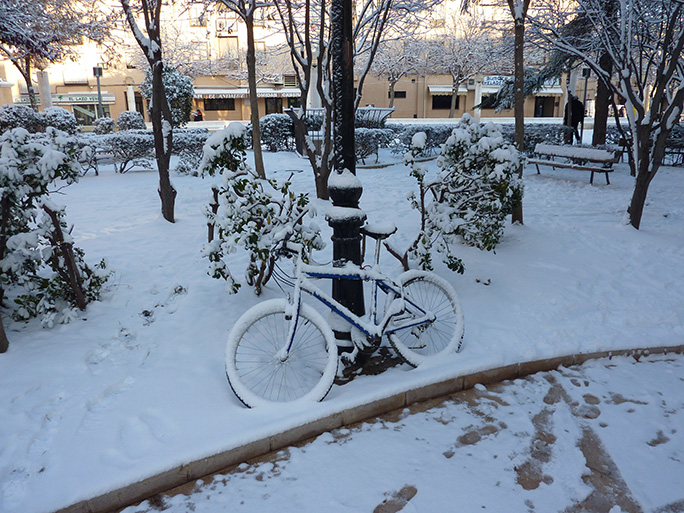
345, 189
97, 73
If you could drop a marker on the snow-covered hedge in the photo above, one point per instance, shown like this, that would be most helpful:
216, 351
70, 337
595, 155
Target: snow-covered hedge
130, 120
188, 144
435, 134
471, 196
130, 148
104, 125
250, 213
550, 133
40, 268
61, 119
369, 140
20, 116
277, 132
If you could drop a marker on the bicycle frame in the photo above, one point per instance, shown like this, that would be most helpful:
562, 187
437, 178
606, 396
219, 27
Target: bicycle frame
305, 274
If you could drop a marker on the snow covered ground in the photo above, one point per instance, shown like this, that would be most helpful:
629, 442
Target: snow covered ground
551, 442
136, 386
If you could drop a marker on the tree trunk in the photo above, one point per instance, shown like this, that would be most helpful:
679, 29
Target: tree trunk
454, 95
253, 98
391, 93
602, 103
4, 341
67, 251
517, 215
645, 174
25, 72
161, 123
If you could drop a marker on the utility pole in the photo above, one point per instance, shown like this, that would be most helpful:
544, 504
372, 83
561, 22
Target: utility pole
344, 188
97, 72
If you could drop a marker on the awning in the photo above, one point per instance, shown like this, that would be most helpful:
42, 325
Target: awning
445, 90
72, 98
550, 91
243, 92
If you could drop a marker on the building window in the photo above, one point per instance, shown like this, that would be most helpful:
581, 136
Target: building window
488, 100
86, 114
228, 47
290, 80
219, 104
397, 94
443, 102
198, 16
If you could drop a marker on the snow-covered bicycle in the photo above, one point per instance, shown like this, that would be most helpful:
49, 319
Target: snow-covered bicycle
283, 350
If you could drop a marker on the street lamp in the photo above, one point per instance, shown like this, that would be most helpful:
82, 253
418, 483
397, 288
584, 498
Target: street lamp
344, 188
585, 73
97, 73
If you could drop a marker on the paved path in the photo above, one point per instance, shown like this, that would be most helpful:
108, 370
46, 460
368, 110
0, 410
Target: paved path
606, 437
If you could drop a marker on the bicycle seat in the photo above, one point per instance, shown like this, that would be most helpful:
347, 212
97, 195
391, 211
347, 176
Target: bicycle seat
378, 231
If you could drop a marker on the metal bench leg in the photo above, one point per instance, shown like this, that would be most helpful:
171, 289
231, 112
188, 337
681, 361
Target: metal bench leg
591, 180
607, 179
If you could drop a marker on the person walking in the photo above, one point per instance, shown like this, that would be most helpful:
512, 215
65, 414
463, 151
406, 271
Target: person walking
574, 115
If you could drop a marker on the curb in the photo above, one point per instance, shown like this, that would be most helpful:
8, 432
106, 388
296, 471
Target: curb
186, 473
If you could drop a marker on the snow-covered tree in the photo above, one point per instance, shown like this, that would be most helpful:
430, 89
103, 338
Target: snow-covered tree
469, 199
250, 211
246, 11
179, 94
643, 40
34, 33
160, 112
306, 26
518, 10
463, 48
396, 59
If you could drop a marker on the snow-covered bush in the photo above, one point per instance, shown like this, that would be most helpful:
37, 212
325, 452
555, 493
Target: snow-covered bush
104, 125
188, 144
369, 140
88, 145
40, 269
61, 119
435, 136
250, 212
130, 148
179, 93
130, 120
277, 132
473, 192
20, 116
549, 133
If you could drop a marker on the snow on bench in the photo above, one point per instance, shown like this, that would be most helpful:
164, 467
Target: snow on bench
577, 157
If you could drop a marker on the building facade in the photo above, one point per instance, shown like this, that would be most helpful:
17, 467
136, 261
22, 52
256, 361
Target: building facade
210, 48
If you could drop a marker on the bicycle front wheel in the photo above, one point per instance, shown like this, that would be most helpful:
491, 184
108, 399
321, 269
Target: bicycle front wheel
419, 344
260, 370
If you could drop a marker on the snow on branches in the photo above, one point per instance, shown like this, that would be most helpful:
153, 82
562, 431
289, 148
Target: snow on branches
469, 200
250, 212
40, 269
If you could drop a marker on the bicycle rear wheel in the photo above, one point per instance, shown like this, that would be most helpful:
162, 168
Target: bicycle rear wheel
444, 335
257, 368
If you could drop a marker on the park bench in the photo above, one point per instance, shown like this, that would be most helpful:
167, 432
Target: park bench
575, 157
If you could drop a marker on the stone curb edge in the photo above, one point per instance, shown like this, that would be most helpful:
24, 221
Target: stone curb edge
186, 473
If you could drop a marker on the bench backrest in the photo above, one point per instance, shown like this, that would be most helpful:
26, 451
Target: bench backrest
575, 152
